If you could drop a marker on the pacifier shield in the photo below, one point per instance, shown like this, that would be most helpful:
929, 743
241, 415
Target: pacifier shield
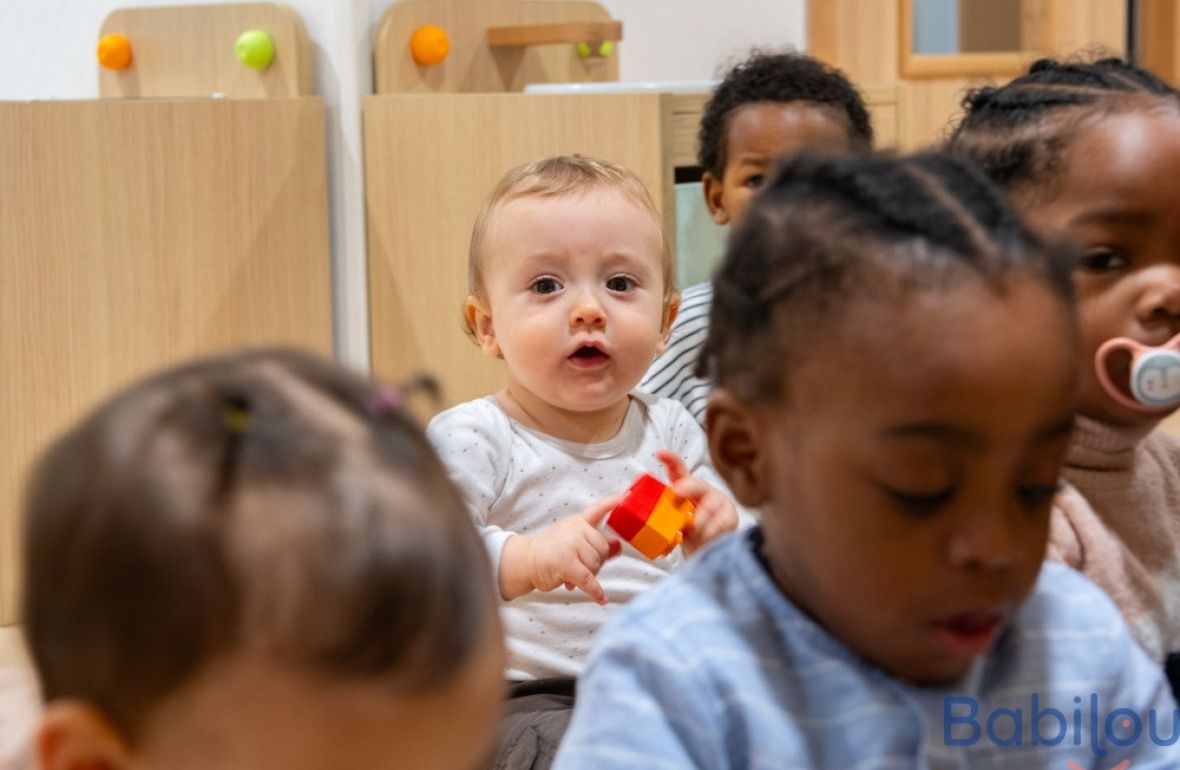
1155, 379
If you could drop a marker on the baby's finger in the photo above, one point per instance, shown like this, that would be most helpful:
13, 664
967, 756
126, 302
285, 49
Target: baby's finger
692, 488
597, 513
589, 584
676, 467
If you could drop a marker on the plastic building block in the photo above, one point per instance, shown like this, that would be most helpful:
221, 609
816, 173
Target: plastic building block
651, 517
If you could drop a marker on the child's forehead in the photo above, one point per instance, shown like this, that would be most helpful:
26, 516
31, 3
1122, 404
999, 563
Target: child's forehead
599, 215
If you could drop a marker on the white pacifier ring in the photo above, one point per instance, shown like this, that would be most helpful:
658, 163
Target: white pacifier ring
1155, 374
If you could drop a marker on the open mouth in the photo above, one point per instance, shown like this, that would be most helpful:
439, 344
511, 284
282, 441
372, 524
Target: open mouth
588, 355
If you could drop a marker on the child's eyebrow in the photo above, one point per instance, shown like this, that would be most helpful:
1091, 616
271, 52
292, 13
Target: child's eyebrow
941, 432
1116, 215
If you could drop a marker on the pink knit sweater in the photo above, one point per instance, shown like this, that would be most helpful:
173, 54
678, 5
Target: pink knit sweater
1118, 522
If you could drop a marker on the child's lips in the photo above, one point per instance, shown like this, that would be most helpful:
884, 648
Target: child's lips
968, 634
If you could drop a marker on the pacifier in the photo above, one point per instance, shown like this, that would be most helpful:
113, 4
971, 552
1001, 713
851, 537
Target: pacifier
1153, 382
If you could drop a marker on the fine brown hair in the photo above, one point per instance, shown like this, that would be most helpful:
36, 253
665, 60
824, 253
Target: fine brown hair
263, 500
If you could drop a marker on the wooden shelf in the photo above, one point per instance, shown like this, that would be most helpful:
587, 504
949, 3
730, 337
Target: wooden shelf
520, 35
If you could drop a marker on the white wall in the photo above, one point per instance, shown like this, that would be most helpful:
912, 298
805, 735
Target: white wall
48, 53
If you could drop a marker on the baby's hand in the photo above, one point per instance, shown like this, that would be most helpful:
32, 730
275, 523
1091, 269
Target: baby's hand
715, 513
572, 551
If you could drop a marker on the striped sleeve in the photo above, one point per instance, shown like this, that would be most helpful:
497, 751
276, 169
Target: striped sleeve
671, 374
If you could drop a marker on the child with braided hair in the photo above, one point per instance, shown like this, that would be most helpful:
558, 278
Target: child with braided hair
252, 562
894, 355
1091, 151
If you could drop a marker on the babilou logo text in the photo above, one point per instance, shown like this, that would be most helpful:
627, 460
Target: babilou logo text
1087, 723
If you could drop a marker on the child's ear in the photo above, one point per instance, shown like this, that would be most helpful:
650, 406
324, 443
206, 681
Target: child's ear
479, 321
737, 442
76, 736
671, 310
715, 198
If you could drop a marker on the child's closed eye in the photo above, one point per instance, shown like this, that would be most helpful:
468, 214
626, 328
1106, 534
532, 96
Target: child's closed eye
921, 502
754, 181
545, 285
1103, 260
1037, 495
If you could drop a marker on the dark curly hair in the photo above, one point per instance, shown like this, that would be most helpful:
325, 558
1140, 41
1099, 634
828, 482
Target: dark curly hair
1018, 132
826, 232
778, 77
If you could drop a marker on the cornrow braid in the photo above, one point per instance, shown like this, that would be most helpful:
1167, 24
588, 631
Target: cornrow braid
826, 233
1017, 132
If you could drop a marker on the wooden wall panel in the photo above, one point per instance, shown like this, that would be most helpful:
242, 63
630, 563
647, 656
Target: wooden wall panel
136, 234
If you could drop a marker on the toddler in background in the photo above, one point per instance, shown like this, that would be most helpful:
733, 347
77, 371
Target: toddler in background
1091, 151
256, 561
572, 284
767, 106
895, 362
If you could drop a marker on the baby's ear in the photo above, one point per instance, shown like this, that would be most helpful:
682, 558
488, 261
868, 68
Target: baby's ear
479, 321
714, 198
737, 442
74, 735
671, 310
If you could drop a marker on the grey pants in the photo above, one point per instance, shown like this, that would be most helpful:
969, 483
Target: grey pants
536, 715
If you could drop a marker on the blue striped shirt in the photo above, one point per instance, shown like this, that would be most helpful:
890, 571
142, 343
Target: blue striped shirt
715, 668
671, 374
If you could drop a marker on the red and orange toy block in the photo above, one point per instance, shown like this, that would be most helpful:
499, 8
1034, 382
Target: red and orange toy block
651, 517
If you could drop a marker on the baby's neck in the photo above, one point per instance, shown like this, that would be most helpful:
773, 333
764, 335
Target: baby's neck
579, 427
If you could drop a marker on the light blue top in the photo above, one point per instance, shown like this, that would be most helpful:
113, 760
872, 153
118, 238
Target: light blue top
715, 668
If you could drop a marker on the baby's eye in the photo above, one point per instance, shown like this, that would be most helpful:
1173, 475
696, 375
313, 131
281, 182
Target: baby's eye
620, 283
755, 181
1103, 260
1036, 495
921, 504
545, 286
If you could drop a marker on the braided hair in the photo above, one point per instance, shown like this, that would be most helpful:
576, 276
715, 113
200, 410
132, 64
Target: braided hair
1018, 132
782, 77
829, 232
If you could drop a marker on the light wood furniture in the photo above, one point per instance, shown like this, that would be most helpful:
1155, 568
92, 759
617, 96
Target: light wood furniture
1158, 33
12, 648
189, 51
1033, 35
473, 66
864, 38
551, 34
141, 232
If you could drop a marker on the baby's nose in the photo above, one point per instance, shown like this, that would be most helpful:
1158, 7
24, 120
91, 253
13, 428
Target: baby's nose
586, 309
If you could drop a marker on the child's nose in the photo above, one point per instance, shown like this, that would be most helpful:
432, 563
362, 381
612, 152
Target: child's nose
1161, 299
991, 540
586, 310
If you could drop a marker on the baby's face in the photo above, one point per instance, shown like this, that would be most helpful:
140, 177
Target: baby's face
910, 474
575, 290
249, 714
1118, 196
